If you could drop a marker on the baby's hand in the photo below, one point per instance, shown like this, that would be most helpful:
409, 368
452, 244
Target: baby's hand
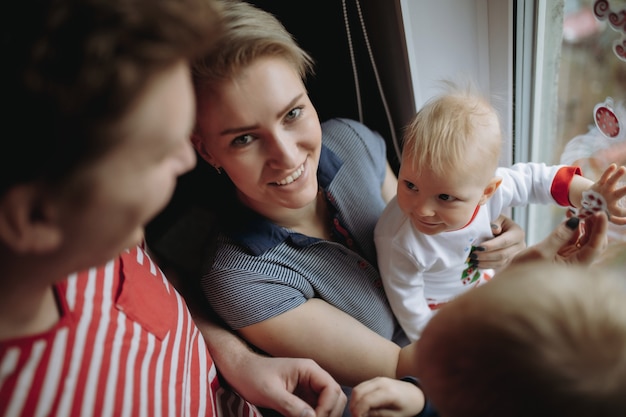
612, 194
387, 397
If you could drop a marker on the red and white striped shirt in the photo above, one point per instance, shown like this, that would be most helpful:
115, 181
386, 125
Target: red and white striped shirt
125, 346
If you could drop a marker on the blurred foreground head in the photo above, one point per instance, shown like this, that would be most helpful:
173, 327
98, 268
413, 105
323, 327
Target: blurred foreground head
540, 339
73, 68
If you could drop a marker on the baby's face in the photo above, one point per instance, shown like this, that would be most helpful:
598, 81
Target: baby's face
439, 203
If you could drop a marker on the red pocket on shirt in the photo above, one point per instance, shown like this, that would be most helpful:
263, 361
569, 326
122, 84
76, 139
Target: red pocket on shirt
145, 298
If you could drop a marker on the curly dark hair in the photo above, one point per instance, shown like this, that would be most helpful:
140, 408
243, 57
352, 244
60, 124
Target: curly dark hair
72, 68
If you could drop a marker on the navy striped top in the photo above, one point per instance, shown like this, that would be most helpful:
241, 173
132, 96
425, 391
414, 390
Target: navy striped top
261, 270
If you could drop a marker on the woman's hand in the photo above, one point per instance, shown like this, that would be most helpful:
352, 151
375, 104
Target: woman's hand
386, 397
572, 242
508, 241
294, 387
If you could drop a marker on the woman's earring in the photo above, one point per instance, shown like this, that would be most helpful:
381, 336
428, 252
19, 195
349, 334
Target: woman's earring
218, 169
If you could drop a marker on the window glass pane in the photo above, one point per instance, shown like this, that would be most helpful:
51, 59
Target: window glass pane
590, 71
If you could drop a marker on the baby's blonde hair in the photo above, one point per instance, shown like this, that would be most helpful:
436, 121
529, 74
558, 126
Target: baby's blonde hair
450, 128
539, 340
249, 33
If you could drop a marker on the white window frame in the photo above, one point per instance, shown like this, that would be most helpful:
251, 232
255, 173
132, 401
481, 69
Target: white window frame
538, 37
472, 38
512, 48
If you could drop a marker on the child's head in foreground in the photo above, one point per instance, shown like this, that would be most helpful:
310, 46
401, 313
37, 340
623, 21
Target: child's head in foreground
449, 157
539, 340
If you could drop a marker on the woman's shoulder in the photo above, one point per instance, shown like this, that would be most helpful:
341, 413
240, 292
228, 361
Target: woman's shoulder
341, 135
340, 125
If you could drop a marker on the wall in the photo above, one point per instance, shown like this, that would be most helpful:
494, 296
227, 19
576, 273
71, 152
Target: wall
461, 38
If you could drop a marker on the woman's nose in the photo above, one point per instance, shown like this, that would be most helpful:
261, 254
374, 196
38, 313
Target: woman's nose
282, 150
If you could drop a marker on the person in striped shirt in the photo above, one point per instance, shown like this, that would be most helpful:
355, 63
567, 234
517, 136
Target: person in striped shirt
100, 109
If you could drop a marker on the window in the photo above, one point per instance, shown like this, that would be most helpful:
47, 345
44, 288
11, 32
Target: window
576, 67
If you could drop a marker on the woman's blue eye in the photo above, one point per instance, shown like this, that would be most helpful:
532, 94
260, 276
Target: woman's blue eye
243, 140
294, 113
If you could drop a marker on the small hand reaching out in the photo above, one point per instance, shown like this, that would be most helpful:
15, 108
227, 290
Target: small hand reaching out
608, 187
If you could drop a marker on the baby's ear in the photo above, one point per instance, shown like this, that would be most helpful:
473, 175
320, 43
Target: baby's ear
491, 188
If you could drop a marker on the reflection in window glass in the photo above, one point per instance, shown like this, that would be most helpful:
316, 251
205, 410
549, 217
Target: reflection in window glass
590, 71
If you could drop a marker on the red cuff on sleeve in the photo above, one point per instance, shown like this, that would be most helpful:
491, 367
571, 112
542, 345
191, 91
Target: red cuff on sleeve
561, 183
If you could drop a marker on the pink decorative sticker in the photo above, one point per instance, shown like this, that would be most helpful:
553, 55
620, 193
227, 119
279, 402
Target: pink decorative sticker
619, 48
617, 20
606, 119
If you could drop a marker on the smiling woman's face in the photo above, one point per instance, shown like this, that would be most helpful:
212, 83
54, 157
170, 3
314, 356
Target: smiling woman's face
263, 131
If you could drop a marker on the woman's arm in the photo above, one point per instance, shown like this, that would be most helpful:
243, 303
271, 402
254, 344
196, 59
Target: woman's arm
271, 382
264, 381
346, 348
